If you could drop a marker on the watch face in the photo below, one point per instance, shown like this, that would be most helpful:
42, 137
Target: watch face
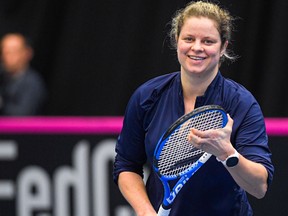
232, 161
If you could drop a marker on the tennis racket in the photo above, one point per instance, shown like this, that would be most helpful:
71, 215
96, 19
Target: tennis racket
177, 159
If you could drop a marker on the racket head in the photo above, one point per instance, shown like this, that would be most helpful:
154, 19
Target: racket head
174, 156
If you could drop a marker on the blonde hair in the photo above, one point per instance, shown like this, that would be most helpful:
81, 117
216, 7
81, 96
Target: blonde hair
203, 9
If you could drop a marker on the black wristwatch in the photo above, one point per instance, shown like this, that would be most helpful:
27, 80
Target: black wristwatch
231, 160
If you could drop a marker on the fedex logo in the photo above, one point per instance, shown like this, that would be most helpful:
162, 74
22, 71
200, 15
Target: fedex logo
36, 192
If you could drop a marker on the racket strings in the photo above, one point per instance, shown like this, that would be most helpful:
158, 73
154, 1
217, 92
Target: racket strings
178, 155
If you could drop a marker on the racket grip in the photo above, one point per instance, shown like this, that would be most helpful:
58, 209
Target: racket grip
205, 157
163, 212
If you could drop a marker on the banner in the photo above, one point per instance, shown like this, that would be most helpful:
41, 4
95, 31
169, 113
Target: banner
63, 167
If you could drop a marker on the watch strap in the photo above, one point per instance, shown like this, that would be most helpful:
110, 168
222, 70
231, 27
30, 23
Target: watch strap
231, 160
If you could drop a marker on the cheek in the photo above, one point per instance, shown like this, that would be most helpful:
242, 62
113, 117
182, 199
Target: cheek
181, 53
10, 59
214, 53
183, 47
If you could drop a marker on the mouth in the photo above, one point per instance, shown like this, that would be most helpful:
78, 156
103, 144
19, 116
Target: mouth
196, 58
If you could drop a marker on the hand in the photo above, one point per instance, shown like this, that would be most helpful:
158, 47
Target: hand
214, 141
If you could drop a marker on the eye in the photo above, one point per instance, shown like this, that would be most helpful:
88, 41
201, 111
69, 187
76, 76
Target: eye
188, 39
208, 42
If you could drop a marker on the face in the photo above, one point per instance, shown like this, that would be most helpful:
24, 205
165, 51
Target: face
15, 55
199, 47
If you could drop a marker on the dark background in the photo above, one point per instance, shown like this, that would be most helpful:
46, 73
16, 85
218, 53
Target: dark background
93, 54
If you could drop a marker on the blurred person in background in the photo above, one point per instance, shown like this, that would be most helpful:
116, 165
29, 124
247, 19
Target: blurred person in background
22, 90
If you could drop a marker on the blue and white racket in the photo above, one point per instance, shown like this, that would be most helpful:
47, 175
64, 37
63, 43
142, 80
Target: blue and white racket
177, 159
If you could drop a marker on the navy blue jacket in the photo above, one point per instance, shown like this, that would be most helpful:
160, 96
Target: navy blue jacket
154, 106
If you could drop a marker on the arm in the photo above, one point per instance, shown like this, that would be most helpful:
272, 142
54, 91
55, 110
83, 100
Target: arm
133, 189
250, 176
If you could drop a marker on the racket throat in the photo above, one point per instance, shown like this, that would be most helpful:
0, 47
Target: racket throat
176, 189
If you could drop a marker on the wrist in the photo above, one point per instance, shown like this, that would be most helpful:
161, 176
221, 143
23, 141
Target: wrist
230, 161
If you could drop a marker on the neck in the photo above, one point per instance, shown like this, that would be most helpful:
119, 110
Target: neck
16, 72
194, 84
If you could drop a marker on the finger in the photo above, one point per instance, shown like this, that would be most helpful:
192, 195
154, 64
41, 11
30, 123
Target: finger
199, 133
192, 137
230, 121
195, 141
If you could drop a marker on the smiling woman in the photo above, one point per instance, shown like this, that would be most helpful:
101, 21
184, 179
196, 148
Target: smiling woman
201, 32
199, 49
221, 18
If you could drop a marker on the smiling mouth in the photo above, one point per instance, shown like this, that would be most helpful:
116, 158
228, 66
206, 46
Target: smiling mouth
196, 57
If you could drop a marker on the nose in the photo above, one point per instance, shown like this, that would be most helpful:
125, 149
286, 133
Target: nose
197, 46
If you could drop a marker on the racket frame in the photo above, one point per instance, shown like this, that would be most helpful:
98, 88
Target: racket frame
170, 194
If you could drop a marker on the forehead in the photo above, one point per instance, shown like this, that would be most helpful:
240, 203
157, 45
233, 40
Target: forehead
199, 25
13, 41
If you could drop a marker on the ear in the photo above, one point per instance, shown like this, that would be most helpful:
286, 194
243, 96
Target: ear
29, 53
223, 49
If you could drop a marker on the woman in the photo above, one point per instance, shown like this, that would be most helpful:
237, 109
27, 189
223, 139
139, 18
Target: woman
201, 33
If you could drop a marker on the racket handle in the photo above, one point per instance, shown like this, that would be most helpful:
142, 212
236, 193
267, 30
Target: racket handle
163, 212
205, 157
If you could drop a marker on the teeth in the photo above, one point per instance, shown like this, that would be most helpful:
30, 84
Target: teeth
196, 58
